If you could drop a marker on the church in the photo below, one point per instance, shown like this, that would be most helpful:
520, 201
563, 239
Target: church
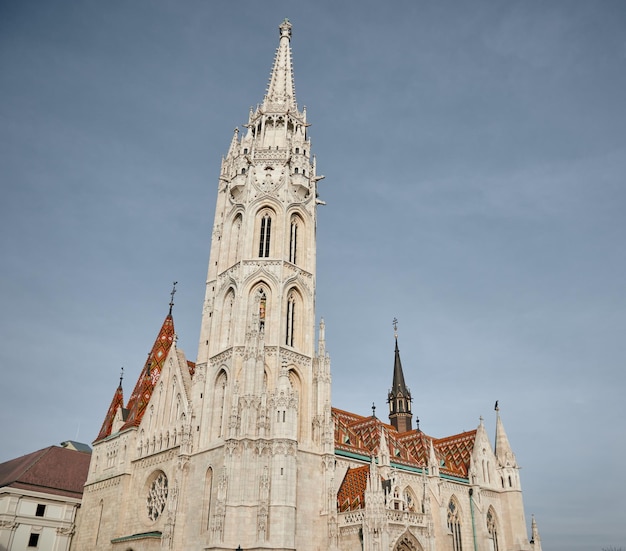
243, 449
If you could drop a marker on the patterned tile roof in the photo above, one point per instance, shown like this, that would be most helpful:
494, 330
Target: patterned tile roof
53, 470
150, 374
456, 452
116, 403
361, 435
351, 495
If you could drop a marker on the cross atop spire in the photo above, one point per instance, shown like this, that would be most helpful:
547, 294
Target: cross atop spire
281, 92
172, 296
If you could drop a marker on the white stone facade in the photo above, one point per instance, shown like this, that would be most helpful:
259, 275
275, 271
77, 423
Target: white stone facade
239, 449
38, 518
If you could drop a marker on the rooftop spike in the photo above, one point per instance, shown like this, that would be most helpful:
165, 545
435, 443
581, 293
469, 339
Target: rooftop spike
383, 449
535, 538
321, 340
281, 89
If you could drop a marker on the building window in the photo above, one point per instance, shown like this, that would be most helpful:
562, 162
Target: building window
264, 239
296, 170
157, 497
291, 308
454, 525
41, 510
33, 540
492, 530
293, 240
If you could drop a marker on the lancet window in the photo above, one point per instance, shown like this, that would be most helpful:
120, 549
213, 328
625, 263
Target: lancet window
492, 530
265, 235
454, 525
208, 488
293, 240
291, 313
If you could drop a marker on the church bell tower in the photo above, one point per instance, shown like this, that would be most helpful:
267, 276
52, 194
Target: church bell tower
261, 392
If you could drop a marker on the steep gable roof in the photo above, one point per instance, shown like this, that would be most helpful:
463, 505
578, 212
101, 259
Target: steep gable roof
116, 403
52, 470
150, 373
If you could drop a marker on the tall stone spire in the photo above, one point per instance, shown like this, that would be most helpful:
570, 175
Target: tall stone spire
281, 90
503, 450
399, 397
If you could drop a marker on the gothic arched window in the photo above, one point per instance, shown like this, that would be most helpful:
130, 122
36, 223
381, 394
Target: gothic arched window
293, 240
219, 405
291, 314
492, 529
227, 318
208, 488
235, 235
454, 525
264, 237
409, 501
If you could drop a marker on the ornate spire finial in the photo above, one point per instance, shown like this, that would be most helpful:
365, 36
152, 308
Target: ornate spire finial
172, 295
373, 409
395, 327
121, 375
496, 406
281, 93
285, 28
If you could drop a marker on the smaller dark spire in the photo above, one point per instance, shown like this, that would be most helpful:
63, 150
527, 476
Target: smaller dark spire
399, 397
172, 295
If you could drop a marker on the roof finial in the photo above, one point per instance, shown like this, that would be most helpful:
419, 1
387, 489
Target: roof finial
121, 375
373, 409
395, 327
172, 295
496, 406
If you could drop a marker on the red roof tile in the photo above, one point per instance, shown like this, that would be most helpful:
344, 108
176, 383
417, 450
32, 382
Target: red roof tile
53, 470
361, 435
351, 493
116, 403
150, 374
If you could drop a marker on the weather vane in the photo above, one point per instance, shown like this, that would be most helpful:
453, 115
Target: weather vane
395, 327
172, 295
373, 409
121, 376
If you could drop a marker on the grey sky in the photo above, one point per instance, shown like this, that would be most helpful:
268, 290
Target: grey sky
475, 162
